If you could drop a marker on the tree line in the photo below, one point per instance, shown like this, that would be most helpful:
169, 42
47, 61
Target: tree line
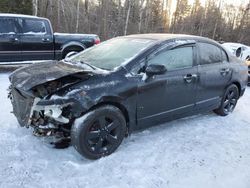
109, 18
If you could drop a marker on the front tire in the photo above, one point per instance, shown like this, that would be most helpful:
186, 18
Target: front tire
229, 101
99, 132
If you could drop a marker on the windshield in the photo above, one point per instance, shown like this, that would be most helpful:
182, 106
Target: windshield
112, 53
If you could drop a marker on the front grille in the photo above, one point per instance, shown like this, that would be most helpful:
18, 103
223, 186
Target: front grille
22, 104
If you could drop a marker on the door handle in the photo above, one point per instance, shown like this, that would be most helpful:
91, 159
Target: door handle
45, 40
14, 39
190, 77
224, 72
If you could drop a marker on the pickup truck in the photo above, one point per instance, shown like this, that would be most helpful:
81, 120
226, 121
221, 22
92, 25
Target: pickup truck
30, 38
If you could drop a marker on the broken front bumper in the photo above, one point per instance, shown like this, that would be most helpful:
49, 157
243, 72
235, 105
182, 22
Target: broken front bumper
35, 112
22, 105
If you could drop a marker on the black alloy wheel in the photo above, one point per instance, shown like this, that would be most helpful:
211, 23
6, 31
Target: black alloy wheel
229, 101
103, 134
99, 132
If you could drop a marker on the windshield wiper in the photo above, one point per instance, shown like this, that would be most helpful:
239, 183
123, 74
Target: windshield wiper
82, 62
91, 66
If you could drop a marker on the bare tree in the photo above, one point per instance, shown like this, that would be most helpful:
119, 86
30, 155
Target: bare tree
141, 14
77, 16
109, 18
58, 14
35, 7
127, 17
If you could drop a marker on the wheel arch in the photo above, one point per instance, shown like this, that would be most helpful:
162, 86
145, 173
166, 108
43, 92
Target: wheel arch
238, 86
71, 45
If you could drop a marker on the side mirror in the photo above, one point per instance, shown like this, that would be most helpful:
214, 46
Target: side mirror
70, 54
154, 69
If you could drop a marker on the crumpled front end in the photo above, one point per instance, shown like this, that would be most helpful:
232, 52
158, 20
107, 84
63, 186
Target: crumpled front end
34, 104
55, 111
46, 115
30, 110
22, 105
49, 96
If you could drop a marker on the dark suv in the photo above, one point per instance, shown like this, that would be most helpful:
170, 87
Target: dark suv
25, 38
126, 83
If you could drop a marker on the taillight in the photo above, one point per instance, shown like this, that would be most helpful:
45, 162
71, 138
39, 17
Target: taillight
97, 40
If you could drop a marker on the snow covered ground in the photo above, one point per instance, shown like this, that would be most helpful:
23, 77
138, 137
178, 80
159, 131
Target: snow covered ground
204, 151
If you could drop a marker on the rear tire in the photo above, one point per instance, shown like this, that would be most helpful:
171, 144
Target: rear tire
229, 101
71, 49
99, 132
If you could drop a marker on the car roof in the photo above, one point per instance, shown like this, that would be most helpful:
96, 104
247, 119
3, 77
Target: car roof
231, 44
162, 37
168, 36
19, 16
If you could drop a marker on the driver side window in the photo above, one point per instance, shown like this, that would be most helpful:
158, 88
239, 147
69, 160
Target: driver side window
173, 59
7, 26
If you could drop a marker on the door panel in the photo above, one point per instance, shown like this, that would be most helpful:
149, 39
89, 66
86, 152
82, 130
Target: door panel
37, 41
213, 80
215, 74
166, 97
10, 47
171, 95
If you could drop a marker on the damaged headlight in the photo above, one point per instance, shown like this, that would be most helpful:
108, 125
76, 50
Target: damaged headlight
55, 112
53, 109
58, 110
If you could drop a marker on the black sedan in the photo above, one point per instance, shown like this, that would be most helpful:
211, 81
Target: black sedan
97, 97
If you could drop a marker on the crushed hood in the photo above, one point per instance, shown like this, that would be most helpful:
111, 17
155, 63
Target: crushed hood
29, 76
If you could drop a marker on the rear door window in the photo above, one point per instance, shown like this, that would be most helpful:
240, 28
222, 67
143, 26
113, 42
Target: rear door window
7, 26
177, 58
210, 54
34, 26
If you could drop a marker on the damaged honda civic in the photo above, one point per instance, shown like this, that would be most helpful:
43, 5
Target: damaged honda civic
93, 99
